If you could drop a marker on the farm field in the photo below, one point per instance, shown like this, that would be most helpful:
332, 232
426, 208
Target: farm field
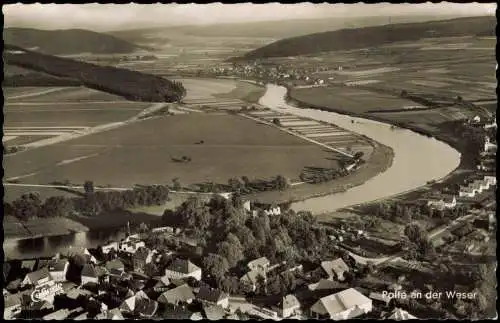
233, 146
348, 99
70, 115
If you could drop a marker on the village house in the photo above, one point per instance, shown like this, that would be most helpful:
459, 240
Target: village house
92, 274
259, 264
182, 268
335, 269
380, 299
211, 296
110, 246
139, 304
36, 278
115, 267
131, 244
399, 315
448, 202
180, 295
113, 314
289, 306
251, 279
12, 305
140, 258
343, 305
489, 147
58, 269
58, 315
466, 191
323, 284
213, 312
161, 284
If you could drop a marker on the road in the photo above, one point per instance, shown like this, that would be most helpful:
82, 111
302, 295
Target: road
97, 188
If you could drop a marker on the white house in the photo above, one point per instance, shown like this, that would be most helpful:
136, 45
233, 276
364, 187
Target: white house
58, 270
489, 146
492, 180
111, 245
400, 315
467, 192
251, 279
131, 244
444, 203
260, 264
343, 305
289, 306
12, 306
273, 211
491, 125
183, 268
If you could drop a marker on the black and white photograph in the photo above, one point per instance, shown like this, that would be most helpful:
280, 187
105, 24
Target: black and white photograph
245, 161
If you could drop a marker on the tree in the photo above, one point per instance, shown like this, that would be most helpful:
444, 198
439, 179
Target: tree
88, 186
277, 122
404, 93
27, 206
231, 250
56, 206
414, 232
216, 266
176, 184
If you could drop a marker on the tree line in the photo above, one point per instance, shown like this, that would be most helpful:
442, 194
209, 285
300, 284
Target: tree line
132, 85
30, 205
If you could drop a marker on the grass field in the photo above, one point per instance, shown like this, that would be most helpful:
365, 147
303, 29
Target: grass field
348, 99
143, 152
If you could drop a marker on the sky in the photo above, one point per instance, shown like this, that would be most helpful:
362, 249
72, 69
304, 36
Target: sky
106, 17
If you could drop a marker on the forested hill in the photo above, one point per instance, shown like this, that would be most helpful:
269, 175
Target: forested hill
356, 38
132, 85
67, 42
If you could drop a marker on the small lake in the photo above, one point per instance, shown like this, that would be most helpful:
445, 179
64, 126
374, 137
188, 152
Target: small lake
417, 159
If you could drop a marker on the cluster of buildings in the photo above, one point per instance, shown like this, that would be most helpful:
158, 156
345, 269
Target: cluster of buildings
272, 71
477, 186
115, 283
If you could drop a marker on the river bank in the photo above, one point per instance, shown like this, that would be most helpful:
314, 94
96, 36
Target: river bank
379, 161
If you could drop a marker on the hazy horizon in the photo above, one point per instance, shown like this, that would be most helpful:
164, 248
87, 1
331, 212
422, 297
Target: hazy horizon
109, 17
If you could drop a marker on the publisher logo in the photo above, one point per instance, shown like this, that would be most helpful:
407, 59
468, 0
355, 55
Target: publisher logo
46, 291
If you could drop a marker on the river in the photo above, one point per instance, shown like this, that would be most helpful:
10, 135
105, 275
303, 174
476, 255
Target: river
417, 158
